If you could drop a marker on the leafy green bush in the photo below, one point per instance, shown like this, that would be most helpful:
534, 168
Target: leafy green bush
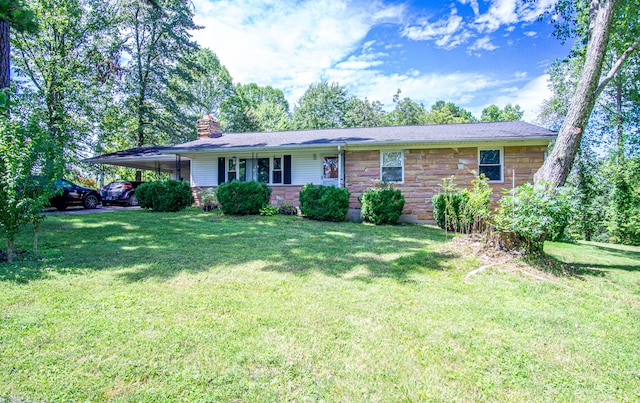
324, 203
165, 196
624, 209
464, 210
447, 208
381, 205
474, 209
241, 198
269, 210
532, 214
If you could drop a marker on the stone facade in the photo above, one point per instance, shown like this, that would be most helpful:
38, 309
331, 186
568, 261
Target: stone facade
424, 170
280, 195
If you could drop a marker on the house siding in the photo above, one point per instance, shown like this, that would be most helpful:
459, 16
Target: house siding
306, 166
424, 170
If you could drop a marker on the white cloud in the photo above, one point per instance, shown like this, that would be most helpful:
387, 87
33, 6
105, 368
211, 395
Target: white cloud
530, 34
473, 4
529, 96
427, 88
508, 12
483, 44
447, 33
452, 30
287, 44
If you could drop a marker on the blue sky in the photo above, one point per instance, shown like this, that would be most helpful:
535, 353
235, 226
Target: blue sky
471, 52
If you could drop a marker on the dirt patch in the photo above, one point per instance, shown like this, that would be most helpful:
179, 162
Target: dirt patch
538, 267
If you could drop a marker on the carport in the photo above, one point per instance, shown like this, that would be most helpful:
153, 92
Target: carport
147, 158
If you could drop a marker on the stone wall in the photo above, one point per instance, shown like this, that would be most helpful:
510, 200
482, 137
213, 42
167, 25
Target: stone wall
424, 170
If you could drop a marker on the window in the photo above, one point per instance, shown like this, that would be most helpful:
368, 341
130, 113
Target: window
231, 169
391, 166
271, 170
330, 167
276, 172
242, 170
263, 170
490, 164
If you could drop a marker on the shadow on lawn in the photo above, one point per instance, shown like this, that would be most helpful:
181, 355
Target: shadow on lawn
588, 260
299, 247
186, 242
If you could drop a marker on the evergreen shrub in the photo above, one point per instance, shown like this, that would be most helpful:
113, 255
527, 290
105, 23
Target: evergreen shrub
324, 203
447, 208
243, 198
381, 205
164, 196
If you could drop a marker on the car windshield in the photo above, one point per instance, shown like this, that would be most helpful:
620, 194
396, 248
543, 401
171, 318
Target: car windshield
63, 183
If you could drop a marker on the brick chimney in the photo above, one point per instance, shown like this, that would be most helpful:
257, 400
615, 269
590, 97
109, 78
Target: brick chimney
208, 128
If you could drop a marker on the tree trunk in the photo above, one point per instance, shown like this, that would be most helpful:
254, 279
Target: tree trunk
5, 47
35, 240
10, 246
557, 166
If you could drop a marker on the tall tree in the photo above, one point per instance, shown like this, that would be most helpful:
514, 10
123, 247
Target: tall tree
198, 86
61, 61
447, 112
322, 106
493, 113
156, 39
596, 32
253, 109
13, 13
406, 112
362, 113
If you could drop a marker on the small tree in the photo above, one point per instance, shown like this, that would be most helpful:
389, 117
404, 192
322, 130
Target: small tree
27, 178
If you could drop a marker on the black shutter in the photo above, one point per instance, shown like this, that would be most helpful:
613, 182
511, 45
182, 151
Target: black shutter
221, 171
287, 170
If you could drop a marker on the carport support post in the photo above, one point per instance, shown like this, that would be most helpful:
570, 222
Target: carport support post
138, 176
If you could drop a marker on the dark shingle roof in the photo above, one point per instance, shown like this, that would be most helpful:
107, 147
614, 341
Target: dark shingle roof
452, 133
135, 152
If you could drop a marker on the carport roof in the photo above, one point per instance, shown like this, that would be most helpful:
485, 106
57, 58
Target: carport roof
144, 157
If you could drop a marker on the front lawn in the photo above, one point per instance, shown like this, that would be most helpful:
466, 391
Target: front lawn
141, 306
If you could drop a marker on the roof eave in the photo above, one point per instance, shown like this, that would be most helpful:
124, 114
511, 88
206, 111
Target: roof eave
178, 150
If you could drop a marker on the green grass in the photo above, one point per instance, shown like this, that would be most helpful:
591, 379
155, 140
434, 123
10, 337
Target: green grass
140, 306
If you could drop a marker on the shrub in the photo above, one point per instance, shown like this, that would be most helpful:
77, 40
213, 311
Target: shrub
287, 209
169, 195
269, 210
381, 205
241, 198
447, 208
624, 208
474, 208
324, 203
532, 214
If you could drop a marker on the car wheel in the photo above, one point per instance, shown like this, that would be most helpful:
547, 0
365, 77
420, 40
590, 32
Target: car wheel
133, 201
91, 201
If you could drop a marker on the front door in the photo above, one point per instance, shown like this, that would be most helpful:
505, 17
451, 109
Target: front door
330, 171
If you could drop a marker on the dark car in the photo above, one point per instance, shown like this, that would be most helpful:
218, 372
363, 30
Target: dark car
74, 195
122, 192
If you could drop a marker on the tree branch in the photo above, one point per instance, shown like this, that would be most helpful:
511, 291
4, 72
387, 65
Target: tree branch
616, 66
